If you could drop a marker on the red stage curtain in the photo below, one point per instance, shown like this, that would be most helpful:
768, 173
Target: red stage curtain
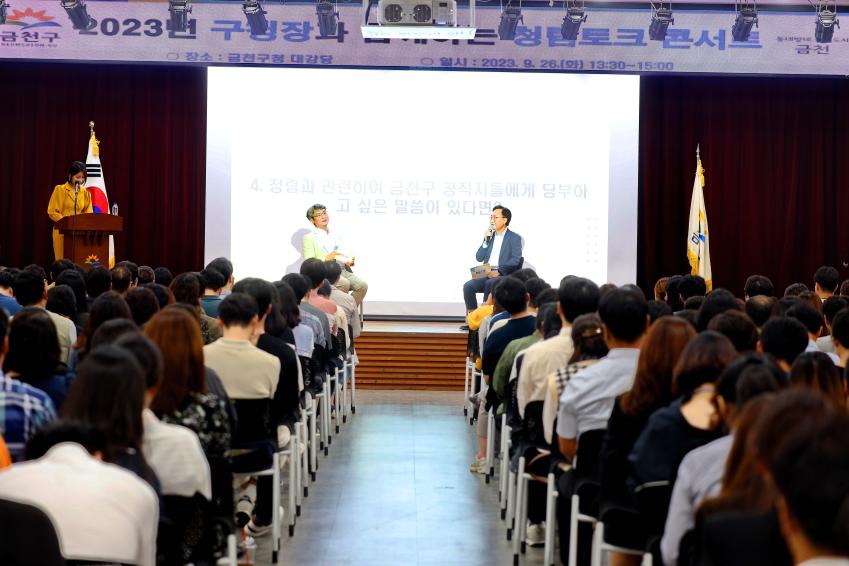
777, 176
151, 121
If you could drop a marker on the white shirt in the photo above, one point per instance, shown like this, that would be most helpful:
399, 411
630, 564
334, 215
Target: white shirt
331, 242
541, 360
497, 240
101, 512
812, 347
826, 344
175, 454
67, 333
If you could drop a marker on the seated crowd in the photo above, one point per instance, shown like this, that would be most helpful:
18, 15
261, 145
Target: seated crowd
697, 426
135, 404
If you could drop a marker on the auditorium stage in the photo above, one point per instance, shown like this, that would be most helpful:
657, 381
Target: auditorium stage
411, 355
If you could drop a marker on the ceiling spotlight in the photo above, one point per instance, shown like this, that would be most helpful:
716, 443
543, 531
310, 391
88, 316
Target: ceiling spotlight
3, 7
575, 16
78, 15
510, 18
327, 15
826, 21
255, 16
179, 11
747, 16
661, 19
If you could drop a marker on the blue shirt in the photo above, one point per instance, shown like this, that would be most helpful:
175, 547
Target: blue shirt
23, 410
11, 305
209, 304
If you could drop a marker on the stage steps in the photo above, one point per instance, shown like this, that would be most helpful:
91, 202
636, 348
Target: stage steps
411, 360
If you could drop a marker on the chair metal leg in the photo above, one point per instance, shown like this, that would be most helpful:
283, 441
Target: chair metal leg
353, 388
490, 443
466, 393
573, 531
312, 440
550, 520
503, 465
517, 519
511, 503
299, 469
598, 543
275, 509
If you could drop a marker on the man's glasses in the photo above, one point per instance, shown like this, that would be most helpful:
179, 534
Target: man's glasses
496, 217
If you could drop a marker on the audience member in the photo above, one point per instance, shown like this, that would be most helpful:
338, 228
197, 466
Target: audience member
33, 356
758, 285
718, 302
692, 286
344, 300
660, 289
97, 281
225, 267
759, 308
737, 327
107, 306
75, 280
814, 323
163, 276
101, 512
61, 301
163, 294
133, 268
146, 275
844, 288
143, 304
23, 408
816, 370
826, 280
213, 283
783, 338
111, 330
122, 279
31, 291
673, 294
795, 289
694, 303
7, 293
186, 289
830, 307
658, 309
840, 336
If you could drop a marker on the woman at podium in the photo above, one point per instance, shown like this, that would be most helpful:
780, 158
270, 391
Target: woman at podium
62, 203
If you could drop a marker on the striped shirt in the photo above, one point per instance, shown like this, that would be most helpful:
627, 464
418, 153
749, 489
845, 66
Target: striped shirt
23, 410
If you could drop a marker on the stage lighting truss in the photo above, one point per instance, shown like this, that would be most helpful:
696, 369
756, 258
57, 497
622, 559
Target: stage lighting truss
826, 20
178, 15
419, 19
661, 19
747, 16
328, 15
78, 14
510, 17
3, 8
576, 14
255, 16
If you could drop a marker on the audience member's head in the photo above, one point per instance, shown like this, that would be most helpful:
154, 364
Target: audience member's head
758, 285
149, 358
737, 327
186, 289
163, 294
673, 293
694, 303
58, 266
831, 306
625, 315
742, 380
299, 284
782, 305
122, 278
826, 280
111, 330
810, 471
262, 292
61, 431
108, 393
61, 300
812, 299
511, 295
809, 317
108, 306
844, 288
333, 271
524, 274
146, 275
547, 296
577, 296
658, 309
816, 371
702, 361
30, 288
783, 338
33, 345
692, 286
314, 270
659, 354
795, 289
588, 338
535, 286
660, 289
97, 281
759, 309
7, 279
163, 276
143, 304
133, 269
238, 310
73, 279
718, 302
288, 304
178, 336
549, 322
225, 267
840, 334
213, 281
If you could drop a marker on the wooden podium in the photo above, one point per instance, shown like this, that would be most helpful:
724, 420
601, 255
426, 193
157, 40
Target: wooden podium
87, 237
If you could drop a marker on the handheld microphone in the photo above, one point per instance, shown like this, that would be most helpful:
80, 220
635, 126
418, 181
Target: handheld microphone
488, 236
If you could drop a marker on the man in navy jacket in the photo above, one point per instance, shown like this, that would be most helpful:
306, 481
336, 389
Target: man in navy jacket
502, 249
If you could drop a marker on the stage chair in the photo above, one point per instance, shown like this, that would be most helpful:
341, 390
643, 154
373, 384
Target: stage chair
274, 472
29, 536
504, 465
291, 456
600, 547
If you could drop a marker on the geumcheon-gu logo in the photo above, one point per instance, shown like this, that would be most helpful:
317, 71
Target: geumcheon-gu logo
30, 19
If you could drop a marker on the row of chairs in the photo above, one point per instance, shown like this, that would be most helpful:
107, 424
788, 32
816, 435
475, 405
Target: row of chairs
508, 460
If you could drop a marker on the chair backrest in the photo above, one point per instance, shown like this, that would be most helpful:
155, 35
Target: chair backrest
532, 424
652, 501
27, 536
255, 422
588, 453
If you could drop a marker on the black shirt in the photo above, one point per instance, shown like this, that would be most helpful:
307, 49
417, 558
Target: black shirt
286, 398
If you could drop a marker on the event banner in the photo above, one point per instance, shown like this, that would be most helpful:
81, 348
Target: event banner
609, 41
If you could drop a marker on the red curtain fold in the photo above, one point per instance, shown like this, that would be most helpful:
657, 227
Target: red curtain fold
774, 153
151, 121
